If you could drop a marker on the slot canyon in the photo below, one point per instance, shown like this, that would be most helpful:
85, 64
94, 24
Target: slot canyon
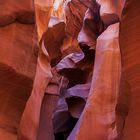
69, 70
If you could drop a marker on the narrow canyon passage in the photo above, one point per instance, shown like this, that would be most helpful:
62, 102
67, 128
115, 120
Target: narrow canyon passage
69, 70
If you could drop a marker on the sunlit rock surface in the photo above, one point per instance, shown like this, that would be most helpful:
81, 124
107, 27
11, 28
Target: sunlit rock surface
69, 70
31, 115
74, 13
99, 113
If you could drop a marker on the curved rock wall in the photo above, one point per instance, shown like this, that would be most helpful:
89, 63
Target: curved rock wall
61, 78
18, 58
130, 50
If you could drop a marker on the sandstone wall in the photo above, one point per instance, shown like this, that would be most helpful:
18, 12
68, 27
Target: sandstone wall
18, 57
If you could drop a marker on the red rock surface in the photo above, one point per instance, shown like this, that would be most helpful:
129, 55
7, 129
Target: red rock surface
61, 76
99, 112
20, 11
15, 89
19, 49
18, 57
130, 50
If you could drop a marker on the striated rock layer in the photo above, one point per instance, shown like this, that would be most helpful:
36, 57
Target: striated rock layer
18, 57
130, 50
60, 70
99, 112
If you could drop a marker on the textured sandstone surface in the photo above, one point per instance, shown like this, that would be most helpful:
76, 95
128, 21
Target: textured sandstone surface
21, 11
130, 50
15, 89
18, 48
98, 114
31, 114
69, 70
18, 57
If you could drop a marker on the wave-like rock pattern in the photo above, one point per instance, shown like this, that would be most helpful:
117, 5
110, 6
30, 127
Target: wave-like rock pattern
62, 78
130, 50
18, 58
